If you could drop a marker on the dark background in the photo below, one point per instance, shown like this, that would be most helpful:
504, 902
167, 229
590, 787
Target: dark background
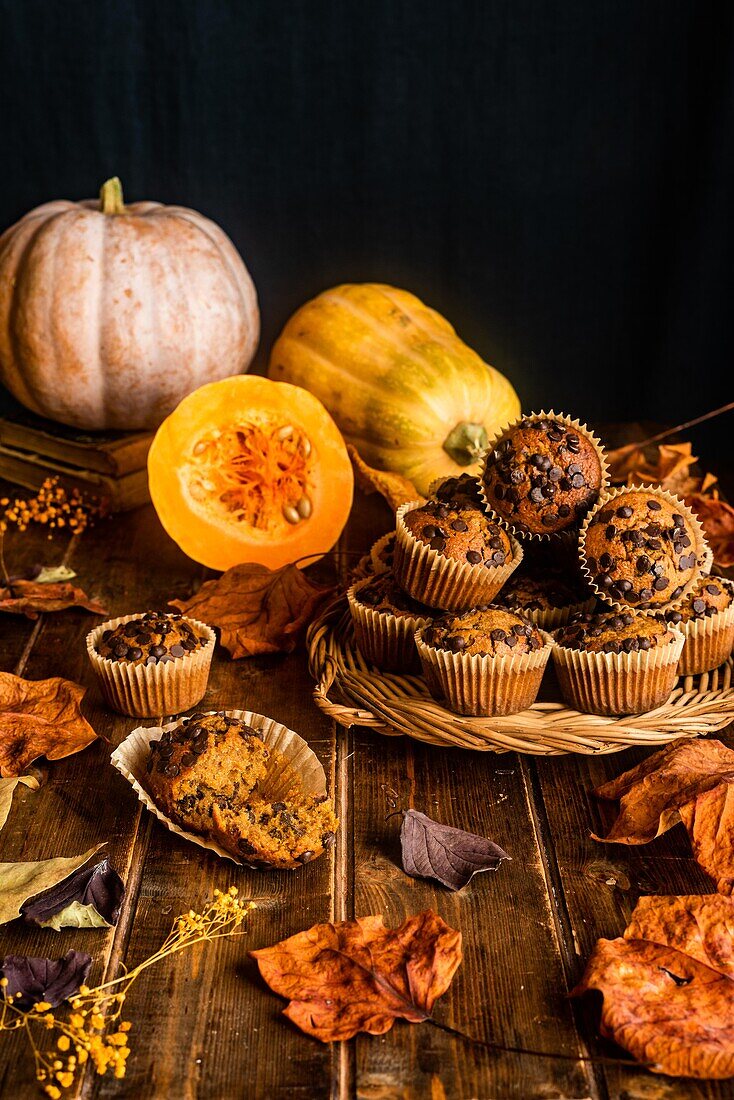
556, 178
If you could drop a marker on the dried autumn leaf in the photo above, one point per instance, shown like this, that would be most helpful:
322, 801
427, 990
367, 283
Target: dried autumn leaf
40, 718
717, 519
50, 980
89, 898
451, 856
31, 598
257, 610
667, 988
357, 975
7, 789
395, 488
709, 819
21, 881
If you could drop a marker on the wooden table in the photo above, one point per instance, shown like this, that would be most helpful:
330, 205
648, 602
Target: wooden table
204, 1023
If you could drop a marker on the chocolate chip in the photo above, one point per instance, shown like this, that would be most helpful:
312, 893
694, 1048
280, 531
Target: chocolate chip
177, 651
699, 606
328, 840
460, 525
643, 564
429, 531
646, 594
143, 639
549, 520
437, 543
158, 650
134, 653
713, 590
654, 505
499, 557
188, 759
456, 643
305, 857
660, 584
473, 557
120, 650
171, 770
564, 510
497, 635
610, 531
625, 512
555, 473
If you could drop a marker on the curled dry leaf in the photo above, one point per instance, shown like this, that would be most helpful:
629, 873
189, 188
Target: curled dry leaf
717, 519
395, 488
358, 975
40, 718
668, 464
21, 881
667, 988
7, 789
31, 598
688, 781
89, 898
49, 980
451, 856
256, 609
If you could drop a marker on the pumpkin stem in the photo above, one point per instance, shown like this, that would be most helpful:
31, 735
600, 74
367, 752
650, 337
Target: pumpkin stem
466, 442
110, 197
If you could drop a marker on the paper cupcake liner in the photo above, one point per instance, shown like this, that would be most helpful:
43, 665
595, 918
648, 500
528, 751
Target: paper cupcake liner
617, 683
378, 564
708, 642
704, 557
383, 639
550, 618
569, 533
150, 691
302, 766
477, 685
440, 582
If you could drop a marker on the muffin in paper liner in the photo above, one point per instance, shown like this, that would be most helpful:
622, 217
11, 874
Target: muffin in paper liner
292, 764
570, 533
617, 683
708, 642
477, 685
149, 691
385, 640
550, 618
704, 556
378, 553
433, 579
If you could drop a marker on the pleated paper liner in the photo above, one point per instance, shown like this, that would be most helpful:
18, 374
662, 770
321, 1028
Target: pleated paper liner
478, 685
386, 640
704, 557
708, 642
382, 553
569, 532
617, 683
147, 691
293, 769
441, 582
550, 618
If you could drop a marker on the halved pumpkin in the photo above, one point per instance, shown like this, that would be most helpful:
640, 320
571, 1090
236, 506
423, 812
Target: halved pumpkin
250, 470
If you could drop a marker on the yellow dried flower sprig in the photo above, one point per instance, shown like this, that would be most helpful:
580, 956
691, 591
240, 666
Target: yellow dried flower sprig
52, 507
93, 1031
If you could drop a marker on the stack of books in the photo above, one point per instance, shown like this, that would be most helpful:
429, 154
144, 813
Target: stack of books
109, 465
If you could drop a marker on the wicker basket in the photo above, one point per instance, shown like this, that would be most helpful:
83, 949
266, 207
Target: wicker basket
354, 693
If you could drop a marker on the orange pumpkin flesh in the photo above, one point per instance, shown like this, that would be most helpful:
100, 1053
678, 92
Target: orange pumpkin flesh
249, 470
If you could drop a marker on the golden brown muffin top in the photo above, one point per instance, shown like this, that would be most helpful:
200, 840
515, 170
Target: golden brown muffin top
157, 637
462, 490
709, 596
614, 632
489, 631
640, 549
181, 747
542, 476
464, 534
383, 594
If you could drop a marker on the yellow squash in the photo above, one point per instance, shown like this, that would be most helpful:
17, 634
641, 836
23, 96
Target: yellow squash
401, 385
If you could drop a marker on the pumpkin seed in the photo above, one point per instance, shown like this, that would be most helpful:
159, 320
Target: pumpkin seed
306, 446
304, 507
200, 447
197, 490
285, 432
291, 514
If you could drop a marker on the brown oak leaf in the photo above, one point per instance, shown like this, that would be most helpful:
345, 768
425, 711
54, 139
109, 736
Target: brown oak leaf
670, 465
358, 975
40, 718
33, 599
395, 488
257, 610
717, 519
688, 781
667, 988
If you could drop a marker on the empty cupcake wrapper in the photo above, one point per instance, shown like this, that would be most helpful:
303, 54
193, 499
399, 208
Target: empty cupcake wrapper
149, 691
617, 683
571, 532
383, 639
708, 642
440, 582
473, 684
131, 757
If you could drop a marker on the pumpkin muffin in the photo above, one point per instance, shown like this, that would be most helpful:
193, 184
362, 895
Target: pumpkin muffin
452, 556
642, 548
547, 597
542, 475
208, 760
152, 663
616, 662
385, 620
462, 490
487, 661
706, 619
283, 834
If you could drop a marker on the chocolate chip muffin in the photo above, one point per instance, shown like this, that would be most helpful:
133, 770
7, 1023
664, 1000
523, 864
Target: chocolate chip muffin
641, 547
452, 555
543, 474
462, 491
385, 619
487, 661
706, 620
208, 760
283, 834
156, 637
616, 662
548, 597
